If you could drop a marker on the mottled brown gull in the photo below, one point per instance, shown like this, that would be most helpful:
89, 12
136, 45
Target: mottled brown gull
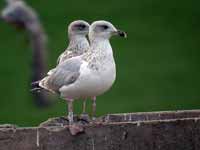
78, 45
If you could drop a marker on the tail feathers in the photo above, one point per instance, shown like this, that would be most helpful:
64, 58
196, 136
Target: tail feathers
44, 84
36, 90
35, 87
35, 83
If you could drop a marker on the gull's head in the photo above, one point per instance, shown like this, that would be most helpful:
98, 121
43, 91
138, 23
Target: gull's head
105, 30
78, 27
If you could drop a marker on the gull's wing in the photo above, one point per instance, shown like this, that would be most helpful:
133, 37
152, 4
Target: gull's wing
63, 56
69, 53
64, 74
51, 71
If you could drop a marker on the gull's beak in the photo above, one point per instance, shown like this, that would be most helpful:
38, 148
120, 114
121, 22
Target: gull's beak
120, 33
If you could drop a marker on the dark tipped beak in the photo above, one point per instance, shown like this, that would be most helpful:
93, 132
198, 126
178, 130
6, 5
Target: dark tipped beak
122, 33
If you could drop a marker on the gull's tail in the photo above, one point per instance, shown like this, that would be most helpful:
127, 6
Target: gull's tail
35, 87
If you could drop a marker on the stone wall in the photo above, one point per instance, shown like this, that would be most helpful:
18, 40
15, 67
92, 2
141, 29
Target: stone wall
173, 130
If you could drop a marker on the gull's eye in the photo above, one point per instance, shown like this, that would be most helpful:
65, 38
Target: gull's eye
81, 26
105, 27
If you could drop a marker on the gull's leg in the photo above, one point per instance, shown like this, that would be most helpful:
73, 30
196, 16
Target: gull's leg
70, 111
84, 116
73, 127
94, 108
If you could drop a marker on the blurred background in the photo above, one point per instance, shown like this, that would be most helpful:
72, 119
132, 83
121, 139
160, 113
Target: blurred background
157, 65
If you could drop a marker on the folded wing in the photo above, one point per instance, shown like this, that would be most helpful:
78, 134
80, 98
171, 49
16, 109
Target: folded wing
64, 74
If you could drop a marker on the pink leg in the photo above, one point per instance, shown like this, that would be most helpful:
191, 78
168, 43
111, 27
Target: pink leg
70, 111
73, 127
94, 108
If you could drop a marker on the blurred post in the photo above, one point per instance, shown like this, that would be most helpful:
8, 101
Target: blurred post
19, 14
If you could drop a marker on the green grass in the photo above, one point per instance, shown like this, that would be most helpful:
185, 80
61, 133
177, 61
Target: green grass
157, 65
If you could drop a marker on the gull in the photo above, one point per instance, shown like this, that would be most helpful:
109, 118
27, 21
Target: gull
78, 45
88, 75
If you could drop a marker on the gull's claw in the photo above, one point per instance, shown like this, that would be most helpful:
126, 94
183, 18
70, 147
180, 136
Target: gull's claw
75, 129
85, 118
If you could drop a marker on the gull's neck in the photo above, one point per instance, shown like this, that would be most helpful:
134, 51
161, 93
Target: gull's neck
100, 46
78, 42
100, 54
